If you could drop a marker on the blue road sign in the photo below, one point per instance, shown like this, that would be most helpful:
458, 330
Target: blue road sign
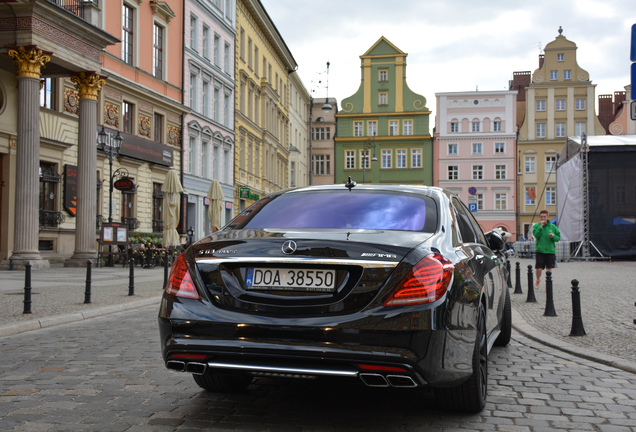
472, 207
632, 53
633, 81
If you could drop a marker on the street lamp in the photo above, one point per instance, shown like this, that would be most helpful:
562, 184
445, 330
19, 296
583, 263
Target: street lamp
326, 107
112, 150
365, 157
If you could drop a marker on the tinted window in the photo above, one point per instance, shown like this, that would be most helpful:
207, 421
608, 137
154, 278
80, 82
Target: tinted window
346, 210
468, 226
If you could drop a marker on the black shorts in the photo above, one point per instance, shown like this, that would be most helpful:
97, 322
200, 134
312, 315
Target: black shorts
545, 261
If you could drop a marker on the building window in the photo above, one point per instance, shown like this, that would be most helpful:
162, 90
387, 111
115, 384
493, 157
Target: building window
127, 117
157, 208
500, 172
322, 134
205, 159
531, 195
350, 158
205, 98
158, 52
256, 57
226, 111
530, 164
393, 127
475, 126
453, 172
357, 129
384, 75
580, 104
500, 201
128, 208
322, 165
480, 201
242, 42
620, 194
383, 99
554, 75
217, 50
500, 148
226, 59
496, 126
47, 93
560, 105
579, 129
560, 130
477, 148
205, 40
408, 127
478, 172
540, 105
560, 57
292, 174
550, 163
49, 178
567, 75
550, 195
194, 91
372, 128
193, 32
158, 128
400, 157
540, 130
416, 158
127, 35
192, 150
452, 150
217, 105
364, 157
249, 52
454, 127
386, 159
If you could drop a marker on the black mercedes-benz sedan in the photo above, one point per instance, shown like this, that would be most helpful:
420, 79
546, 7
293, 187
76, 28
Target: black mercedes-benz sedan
396, 286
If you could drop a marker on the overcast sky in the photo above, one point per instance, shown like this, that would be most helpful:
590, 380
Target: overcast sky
453, 45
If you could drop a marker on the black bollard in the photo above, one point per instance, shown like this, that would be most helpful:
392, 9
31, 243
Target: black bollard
27, 288
87, 292
518, 279
531, 298
549, 302
165, 270
577, 321
508, 268
131, 278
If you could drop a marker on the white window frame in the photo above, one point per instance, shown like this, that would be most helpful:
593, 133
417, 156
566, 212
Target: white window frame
387, 162
372, 128
475, 126
540, 105
579, 128
567, 74
357, 129
452, 172
540, 130
579, 104
393, 127
400, 159
477, 149
501, 201
554, 75
477, 172
452, 149
194, 32
496, 126
500, 148
350, 158
408, 127
205, 40
501, 172
480, 201
530, 164
416, 158
559, 105
560, 57
384, 75
560, 130
550, 195
454, 127
383, 99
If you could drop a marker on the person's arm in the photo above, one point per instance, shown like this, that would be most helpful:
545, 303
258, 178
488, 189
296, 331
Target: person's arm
557, 234
537, 230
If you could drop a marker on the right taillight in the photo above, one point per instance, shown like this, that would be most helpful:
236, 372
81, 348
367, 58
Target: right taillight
426, 282
180, 282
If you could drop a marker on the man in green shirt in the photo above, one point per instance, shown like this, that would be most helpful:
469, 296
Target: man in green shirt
546, 235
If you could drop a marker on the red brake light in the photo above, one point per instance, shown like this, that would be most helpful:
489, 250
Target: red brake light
180, 283
188, 356
427, 282
381, 368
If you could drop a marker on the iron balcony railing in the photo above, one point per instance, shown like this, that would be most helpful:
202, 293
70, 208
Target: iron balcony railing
157, 226
74, 6
50, 218
132, 223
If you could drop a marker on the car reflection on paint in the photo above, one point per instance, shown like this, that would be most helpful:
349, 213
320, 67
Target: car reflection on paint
396, 286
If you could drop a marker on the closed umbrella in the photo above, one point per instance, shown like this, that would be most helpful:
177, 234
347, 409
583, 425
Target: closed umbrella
215, 195
172, 188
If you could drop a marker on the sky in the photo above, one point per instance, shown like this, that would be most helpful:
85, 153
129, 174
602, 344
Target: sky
453, 45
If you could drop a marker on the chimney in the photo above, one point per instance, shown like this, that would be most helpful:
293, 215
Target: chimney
541, 60
605, 111
520, 80
619, 98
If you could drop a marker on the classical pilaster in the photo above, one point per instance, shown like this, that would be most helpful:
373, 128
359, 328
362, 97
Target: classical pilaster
88, 85
29, 60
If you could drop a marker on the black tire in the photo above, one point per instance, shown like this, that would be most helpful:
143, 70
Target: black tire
220, 383
506, 323
471, 395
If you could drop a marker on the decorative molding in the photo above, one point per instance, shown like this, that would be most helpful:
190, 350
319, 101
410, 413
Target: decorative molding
144, 106
162, 10
144, 126
174, 118
88, 84
111, 115
174, 136
71, 101
111, 93
29, 60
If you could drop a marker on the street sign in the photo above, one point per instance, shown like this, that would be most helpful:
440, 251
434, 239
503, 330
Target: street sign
633, 81
472, 190
632, 109
472, 207
632, 52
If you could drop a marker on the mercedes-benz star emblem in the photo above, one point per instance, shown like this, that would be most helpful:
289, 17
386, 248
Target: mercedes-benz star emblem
289, 247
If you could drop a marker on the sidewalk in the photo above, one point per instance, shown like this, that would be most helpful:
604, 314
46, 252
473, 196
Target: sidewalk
607, 303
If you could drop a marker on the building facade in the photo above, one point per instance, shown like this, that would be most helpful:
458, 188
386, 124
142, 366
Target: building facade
298, 136
621, 122
324, 127
263, 63
209, 92
474, 153
383, 129
560, 102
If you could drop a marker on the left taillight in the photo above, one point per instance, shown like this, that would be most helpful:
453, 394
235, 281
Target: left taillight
180, 282
426, 282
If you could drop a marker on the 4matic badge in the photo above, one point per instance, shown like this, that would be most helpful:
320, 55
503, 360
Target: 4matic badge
378, 255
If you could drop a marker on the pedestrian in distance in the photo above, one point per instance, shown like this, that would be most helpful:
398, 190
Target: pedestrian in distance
546, 234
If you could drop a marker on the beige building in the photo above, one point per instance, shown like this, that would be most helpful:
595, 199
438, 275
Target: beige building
299, 101
560, 102
322, 142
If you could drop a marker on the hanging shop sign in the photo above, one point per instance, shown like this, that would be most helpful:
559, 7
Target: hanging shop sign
143, 149
125, 184
70, 189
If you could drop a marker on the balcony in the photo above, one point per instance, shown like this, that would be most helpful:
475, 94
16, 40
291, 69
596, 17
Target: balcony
132, 223
74, 6
51, 219
157, 226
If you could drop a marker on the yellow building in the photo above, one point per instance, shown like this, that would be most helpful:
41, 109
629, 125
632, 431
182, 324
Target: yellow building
560, 102
263, 63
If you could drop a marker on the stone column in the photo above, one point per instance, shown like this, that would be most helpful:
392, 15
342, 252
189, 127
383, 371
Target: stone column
88, 85
30, 60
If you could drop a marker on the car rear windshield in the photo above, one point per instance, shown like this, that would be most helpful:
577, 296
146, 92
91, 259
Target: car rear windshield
346, 210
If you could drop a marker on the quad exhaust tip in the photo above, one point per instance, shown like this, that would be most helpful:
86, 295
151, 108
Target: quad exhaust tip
191, 367
378, 380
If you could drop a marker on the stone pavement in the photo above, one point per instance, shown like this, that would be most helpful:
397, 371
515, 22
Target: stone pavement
607, 301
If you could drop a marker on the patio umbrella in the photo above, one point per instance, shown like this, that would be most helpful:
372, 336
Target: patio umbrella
172, 188
215, 195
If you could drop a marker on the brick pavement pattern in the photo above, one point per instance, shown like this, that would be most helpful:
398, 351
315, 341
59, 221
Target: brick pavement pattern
106, 374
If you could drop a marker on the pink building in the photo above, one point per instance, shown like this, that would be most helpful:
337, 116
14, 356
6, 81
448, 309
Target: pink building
474, 153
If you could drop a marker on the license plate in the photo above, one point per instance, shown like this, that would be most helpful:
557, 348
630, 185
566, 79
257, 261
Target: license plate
290, 279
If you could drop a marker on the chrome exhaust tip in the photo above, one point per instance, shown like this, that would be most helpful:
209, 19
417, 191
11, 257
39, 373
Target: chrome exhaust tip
373, 380
174, 365
401, 381
196, 368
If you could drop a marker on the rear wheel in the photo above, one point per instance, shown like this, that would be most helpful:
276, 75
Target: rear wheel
220, 383
506, 323
471, 395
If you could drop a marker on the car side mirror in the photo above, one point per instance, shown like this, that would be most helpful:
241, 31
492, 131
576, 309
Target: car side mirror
495, 241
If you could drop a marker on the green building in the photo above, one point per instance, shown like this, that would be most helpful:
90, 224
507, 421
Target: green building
383, 129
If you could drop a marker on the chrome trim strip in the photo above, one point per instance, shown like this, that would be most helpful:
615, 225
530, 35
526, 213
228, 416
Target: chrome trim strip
267, 260
279, 369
